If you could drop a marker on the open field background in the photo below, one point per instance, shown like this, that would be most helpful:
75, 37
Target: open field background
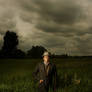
75, 75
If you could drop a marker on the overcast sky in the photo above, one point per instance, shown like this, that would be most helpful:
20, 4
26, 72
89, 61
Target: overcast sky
61, 26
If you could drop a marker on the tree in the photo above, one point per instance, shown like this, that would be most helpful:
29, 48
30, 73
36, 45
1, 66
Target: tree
10, 41
36, 52
9, 48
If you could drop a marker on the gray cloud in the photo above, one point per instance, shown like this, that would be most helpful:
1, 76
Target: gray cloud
63, 12
62, 26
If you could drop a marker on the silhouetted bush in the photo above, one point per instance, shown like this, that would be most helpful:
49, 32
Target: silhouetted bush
36, 52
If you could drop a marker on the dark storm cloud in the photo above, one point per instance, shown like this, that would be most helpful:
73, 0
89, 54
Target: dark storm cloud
62, 26
63, 12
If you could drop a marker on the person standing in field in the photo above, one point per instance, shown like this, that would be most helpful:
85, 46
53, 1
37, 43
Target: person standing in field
45, 74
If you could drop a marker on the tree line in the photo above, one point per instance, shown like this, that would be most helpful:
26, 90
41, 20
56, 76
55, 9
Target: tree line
10, 49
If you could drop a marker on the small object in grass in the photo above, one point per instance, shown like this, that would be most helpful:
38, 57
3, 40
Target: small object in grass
77, 81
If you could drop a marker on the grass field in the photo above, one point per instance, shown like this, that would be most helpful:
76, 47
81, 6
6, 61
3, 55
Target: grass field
16, 75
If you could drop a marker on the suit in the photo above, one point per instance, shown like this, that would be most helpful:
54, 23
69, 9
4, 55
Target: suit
49, 78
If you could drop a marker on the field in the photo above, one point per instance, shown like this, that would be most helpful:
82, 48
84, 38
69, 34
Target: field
75, 75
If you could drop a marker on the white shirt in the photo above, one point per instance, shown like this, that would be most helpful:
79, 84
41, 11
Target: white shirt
46, 63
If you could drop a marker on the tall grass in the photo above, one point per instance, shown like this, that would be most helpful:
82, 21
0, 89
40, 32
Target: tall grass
73, 75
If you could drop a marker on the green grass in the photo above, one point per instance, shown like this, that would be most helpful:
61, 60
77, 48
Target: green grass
16, 75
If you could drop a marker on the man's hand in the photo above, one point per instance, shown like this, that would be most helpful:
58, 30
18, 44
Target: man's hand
41, 81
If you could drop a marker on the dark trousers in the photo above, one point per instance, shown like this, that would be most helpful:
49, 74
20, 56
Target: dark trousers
43, 88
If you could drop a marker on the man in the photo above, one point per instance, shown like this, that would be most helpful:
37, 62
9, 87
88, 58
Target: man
45, 74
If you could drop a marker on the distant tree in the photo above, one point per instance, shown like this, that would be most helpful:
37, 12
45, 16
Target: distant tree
9, 48
10, 41
36, 51
17, 53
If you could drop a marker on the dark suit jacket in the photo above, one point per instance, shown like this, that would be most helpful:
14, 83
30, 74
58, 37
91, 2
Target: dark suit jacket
40, 73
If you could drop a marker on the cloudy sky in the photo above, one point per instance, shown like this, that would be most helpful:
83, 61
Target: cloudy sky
61, 26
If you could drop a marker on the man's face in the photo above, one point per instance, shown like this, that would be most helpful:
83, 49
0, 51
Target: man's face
46, 58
